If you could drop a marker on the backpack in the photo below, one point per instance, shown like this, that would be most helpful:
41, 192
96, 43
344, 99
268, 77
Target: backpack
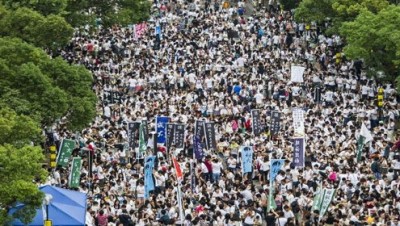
295, 206
236, 214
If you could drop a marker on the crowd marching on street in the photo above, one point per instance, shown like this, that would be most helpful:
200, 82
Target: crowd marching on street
208, 115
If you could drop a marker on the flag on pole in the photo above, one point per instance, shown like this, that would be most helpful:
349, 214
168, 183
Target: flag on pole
148, 176
275, 167
142, 141
326, 201
247, 159
178, 170
364, 137
317, 199
75, 174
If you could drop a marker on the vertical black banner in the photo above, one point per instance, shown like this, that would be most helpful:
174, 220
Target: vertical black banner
200, 131
210, 135
145, 130
133, 134
179, 135
317, 94
256, 122
170, 135
275, 122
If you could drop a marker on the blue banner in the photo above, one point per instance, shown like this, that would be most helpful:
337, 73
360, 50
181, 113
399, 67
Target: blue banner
197, 148
298, 152
247, 159
148, 175
161, 122
276, 165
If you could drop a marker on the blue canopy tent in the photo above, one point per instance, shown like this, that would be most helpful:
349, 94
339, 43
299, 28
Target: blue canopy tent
67, 208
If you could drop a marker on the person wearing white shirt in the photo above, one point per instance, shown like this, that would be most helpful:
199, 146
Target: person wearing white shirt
217, 169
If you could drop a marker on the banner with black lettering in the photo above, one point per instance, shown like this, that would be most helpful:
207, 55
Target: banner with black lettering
298, 122
170, 135
133, 134
256, 122
210, 136
275, 122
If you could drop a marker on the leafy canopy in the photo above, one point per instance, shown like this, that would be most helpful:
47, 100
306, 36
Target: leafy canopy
49, 32
42, 88
375, 38
19, 167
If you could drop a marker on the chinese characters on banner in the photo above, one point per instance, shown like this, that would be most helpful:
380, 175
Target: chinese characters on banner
133, 134
197, 148
170, 135
161, 124
179, 136
326, 201
275, 122
75, 174
256, 122
210, 135
148, 175
298, 138
175, 135
298, 152
276, 165
247, 159
298, 122
65, 152
145, 130
201, 132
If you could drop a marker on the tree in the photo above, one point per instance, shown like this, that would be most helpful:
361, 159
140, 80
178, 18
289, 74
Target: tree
49, 32
314, 10
18, 130
19, 167
42, 88
338, 11
289, 4
121, 12
374, 38
44, 7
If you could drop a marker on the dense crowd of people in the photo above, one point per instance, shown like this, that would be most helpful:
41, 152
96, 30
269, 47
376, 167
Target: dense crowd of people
213, 62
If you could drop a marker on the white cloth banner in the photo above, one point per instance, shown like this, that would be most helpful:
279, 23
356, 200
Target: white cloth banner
296, 73
298, 123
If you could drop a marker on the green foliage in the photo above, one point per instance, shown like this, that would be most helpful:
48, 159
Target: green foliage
45, 7
18, 130
122, 12
374, 38
19, 168
288, 4
45, 89
314, 10
46, 32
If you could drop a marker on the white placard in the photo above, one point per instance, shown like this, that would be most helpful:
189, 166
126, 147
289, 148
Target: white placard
296, 73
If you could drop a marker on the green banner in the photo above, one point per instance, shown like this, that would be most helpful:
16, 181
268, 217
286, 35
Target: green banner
326, 201
142, 142
360, 146
318, 199
75, 174
65, 152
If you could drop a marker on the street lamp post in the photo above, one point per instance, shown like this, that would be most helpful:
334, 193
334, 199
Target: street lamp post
47, 201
